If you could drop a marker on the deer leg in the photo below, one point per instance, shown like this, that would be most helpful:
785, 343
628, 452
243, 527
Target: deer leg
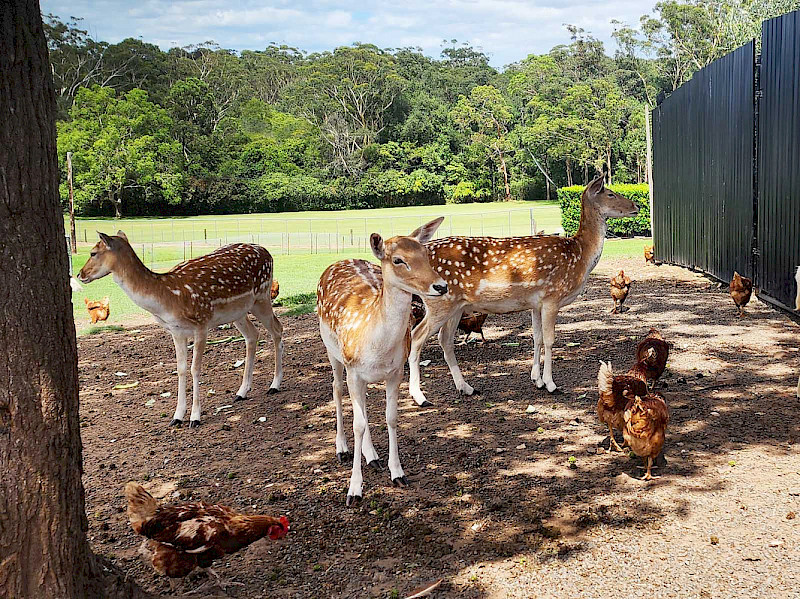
549, 314
263, 311
367, 448
392, 391
200, 337
798, 387
447, 341
342, 452
419, 336
358, 395
536, 370
250, 334
181, 353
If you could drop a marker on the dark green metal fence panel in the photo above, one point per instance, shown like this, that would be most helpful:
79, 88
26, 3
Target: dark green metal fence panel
703, 158
779, 158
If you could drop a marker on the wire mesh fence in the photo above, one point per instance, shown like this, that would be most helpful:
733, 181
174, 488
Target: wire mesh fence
174, 239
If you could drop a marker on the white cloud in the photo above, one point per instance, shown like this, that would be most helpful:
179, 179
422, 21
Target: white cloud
508, 30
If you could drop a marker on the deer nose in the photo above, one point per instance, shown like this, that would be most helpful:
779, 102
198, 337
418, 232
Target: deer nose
442, 289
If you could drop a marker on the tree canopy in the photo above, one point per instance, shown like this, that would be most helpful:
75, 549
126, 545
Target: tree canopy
205, 129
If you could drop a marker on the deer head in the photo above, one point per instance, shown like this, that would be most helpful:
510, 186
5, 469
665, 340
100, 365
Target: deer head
405, 263
607, 203
104, 257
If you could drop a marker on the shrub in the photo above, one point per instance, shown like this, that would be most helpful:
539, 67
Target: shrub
570, 200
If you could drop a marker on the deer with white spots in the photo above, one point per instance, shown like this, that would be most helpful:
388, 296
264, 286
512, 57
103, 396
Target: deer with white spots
218, 288
365, 322
540, 273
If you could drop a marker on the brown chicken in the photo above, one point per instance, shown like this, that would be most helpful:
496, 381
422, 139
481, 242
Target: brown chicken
741, 290
469, 323
615, 391
653, 352
186, 536
620, 285
649, 255
646, 420
98, 310
273, 291
472, 323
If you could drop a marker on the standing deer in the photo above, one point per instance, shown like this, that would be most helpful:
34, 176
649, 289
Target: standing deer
218, 288
364, 320
503, 275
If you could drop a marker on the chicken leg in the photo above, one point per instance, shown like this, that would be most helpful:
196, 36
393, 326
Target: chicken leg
219, 581
647, 475
613, 440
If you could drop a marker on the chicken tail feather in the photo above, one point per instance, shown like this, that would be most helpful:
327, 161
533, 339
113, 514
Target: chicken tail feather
141, 505
605, 377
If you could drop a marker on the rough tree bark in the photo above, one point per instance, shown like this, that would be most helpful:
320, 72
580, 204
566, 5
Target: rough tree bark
43, 547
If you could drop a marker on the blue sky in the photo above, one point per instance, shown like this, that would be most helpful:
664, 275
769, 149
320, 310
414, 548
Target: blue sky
507, 30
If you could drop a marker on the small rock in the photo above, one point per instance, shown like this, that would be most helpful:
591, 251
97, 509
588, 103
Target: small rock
714, 540
790, 516
501, 450
530, 409
226, 427
682, 380
262, 419
522, 446
775, 543
715, 413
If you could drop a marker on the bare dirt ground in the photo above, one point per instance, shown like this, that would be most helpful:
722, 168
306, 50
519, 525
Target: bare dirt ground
494, 508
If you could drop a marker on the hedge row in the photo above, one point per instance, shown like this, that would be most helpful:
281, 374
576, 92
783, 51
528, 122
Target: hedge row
570, 200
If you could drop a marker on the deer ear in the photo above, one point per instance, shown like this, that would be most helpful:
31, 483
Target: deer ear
596, 185
106, 240
425, 232
122, 234
376, 242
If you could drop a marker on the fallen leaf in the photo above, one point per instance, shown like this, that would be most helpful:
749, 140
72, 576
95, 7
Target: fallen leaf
515, 344
425, 363
572, 344
150, 402
120, 374
530, 409
582, 396
238, 363
166, 394
127, 385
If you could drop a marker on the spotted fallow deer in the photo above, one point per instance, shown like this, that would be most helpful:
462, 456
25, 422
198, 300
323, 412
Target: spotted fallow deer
218, 288
512, 274
365, 322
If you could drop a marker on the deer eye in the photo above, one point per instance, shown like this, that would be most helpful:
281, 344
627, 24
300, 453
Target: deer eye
93, 254
398, 261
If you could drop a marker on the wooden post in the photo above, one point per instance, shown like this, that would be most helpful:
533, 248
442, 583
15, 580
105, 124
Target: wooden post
649, 166
73, 239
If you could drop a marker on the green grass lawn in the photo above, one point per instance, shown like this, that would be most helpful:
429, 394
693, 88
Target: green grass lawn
330, 229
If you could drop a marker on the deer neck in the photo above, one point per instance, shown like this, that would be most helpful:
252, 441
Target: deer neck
394, 306
138, 282
591, 235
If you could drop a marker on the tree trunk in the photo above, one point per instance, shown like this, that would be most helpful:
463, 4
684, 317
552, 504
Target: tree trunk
73, 238
547, 179
569, 172
43, 547
504, 170
608, 161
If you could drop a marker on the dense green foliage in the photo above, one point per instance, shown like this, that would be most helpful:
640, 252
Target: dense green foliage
570, 200
202, 129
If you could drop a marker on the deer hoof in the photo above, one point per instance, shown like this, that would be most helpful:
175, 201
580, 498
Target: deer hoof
194, 423
239, 398
552, 389
353, 500
176, 422
539, 383
427, 404
376, 465
272, 391
400, 481
344, 457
